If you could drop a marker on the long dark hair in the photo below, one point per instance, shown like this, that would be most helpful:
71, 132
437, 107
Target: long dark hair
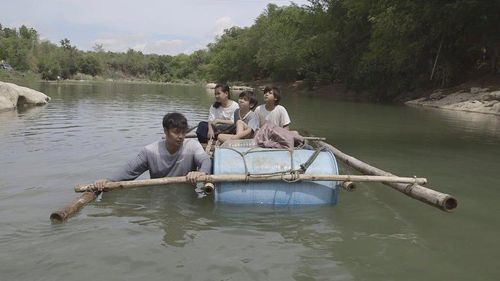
225, 89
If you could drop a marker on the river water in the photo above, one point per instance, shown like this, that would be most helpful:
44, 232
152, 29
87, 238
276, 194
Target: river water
375, 233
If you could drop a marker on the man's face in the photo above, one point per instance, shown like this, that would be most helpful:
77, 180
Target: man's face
175, 137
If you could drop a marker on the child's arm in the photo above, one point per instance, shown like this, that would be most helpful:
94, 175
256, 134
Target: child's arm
222, 121
284, 118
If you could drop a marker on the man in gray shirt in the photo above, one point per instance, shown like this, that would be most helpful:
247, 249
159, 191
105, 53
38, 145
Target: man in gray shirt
174, 156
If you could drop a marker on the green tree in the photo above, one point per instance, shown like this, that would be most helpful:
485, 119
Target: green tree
68, 58
231, 56
281, 34
48, 62
89, 64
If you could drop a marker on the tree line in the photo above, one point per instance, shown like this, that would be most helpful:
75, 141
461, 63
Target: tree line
382, 46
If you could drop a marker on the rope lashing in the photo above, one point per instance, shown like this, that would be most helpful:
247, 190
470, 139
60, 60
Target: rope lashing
295, 173
305, 165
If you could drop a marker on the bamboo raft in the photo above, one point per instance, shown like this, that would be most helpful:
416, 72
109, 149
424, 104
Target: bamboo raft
410, 186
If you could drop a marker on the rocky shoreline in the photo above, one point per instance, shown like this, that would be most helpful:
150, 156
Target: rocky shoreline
477, 99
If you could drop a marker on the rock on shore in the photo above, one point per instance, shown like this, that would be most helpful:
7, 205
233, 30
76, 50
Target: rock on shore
480, 100
12, 96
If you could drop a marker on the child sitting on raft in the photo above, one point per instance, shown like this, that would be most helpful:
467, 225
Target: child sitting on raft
246, 121
272, 111
220, 117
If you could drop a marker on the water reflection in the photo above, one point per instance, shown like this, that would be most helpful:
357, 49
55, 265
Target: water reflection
311, 241
471, 122
174, 209
250, 239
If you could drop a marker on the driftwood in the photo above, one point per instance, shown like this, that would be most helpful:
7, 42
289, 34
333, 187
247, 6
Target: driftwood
437, 199
243, 178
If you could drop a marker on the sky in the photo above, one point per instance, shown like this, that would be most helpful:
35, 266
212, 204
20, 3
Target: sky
167, 27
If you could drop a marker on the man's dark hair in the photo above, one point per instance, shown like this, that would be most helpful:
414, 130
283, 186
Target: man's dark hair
276, 93
225, 89
175, 120
250, 96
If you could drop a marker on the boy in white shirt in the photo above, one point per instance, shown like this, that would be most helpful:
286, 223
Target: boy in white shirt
272, 111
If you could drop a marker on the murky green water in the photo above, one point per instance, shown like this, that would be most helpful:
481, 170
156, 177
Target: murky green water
375, 233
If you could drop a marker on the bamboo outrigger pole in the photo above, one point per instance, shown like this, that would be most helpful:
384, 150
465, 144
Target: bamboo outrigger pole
108, 186
90, 191
434, 198
73, 207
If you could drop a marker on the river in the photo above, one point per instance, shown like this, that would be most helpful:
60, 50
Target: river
375, 233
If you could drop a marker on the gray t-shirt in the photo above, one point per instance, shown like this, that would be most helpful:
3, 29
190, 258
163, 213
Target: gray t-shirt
160, 163
251, 119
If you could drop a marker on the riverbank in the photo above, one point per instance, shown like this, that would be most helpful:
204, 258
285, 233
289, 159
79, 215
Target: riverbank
16, 76
482, 96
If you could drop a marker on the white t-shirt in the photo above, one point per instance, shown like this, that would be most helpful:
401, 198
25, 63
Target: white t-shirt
224, 113
278, 116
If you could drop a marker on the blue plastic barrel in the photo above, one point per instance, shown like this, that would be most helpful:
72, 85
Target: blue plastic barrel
243, 160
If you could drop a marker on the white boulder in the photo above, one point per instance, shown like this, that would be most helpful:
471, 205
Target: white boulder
12, 96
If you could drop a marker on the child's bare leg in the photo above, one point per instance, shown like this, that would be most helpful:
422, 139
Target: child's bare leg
224, 137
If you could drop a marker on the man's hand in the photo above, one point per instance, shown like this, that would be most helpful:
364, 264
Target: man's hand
99, 184
192, 176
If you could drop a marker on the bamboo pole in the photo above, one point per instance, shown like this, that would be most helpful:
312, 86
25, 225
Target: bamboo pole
90, 190
434, 198
209, 187
208, 148
108, 186
73, 207
315, 138
348, 185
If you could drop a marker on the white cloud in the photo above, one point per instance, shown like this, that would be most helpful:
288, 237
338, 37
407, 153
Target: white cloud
119, 43
221, 24
167, 47
143, 43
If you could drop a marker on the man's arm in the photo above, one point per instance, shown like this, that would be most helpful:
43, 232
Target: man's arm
201, 159
133, 169
205, 165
